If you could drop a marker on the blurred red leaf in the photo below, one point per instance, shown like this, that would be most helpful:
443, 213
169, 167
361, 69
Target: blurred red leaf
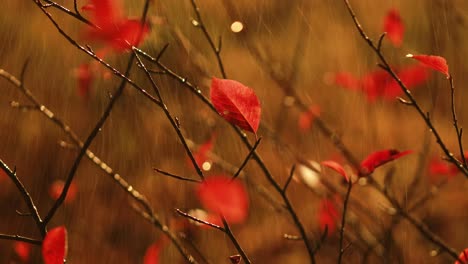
3, 175
236, 103
307, 118
336, 167
379, 158
438, 167
345, 80
201, 155
394, 27
328, 214
56, 188
113, 28
85, 77
227, 197
153, 252
54, 246
23, 250
463, 258
436, 63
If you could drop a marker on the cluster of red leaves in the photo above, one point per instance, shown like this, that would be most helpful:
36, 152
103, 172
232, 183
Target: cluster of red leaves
56, 188
55, 246
394, 27
236, 103
221, 195
113, 28
379, 84
307, 118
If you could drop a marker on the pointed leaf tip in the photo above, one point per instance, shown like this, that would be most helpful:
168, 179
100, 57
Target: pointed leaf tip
436, 63
236, 103
54, 246
336, 167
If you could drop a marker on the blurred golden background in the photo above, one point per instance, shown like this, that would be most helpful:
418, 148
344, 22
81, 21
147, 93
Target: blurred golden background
300, 43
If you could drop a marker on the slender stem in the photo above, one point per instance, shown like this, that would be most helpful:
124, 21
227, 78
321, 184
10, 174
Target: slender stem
26, 197
244, 163
458, 130
198, 220
173, 122
343, 221
216, 50
228, 232
165, 173
21, 238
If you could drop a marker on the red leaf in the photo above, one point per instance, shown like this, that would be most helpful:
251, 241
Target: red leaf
307, 118
343, 79
201, 155
56, 188
394, 27
222, 195
463, 258
113, 28
130, 33
436, 63
336, 167
54, 246
438, 167
85, 77
379, 158
153, 252
3, 175
236, 103
328, 214
23, 250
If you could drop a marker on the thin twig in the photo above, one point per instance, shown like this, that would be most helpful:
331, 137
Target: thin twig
458, 130
216, 50
21, 238
176, 176
26, 197
231, 236
291, 174
173, 122
198, 220
244, 163
343, 220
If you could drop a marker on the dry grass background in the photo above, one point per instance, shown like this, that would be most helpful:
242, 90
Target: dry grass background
103, 227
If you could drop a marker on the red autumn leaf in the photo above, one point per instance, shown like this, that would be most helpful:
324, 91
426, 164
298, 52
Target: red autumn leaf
236, 103
113, 28
307, 118
463, 258
84, 75
436, 63
3, 175
336, 167
56, 188
328, 215
221, 195
344, 79
23, 250
439, 167
394, 27
201, 155
153, 252
54, 246
379, 158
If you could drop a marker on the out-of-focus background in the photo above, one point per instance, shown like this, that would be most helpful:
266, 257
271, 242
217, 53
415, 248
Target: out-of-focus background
301, 44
